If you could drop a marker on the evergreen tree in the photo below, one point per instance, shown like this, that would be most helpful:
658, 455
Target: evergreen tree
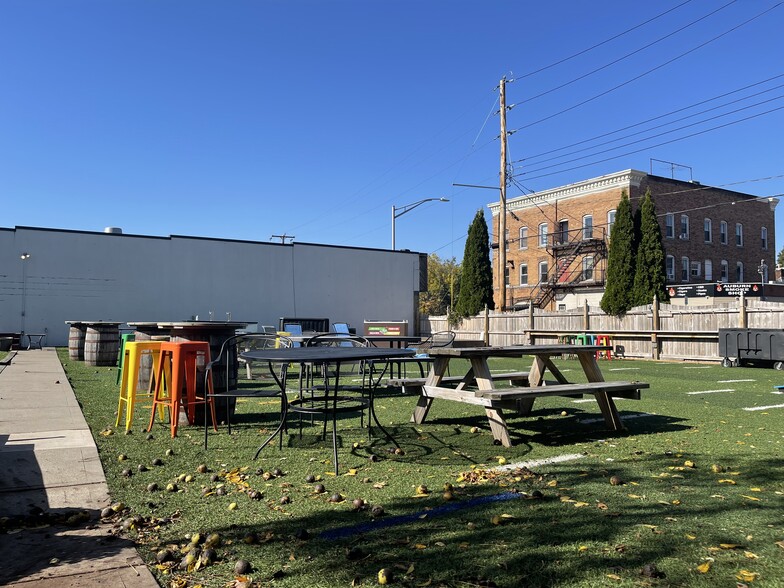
617, 297
476, 283
650, 273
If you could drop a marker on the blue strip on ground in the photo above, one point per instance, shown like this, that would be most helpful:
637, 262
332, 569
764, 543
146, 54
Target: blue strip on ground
343, 532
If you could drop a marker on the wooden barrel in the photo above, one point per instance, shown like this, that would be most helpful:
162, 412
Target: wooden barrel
101, 344
76, 336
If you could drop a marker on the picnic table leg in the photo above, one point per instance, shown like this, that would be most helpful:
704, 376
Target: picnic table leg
433, 379
495, 416
610, 413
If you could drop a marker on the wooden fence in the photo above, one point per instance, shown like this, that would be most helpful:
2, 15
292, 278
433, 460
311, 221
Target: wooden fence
656, 331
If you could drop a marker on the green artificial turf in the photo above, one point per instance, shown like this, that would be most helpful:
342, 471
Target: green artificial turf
698, 499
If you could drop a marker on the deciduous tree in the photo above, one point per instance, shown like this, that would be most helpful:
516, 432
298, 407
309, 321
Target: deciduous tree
443, 278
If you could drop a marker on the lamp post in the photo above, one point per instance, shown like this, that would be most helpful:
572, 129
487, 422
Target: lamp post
401, 210
761, 270
24, 257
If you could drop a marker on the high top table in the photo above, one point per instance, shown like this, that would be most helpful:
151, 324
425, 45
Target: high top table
332, 402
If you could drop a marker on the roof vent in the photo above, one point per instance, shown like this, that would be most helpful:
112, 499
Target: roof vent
113, 230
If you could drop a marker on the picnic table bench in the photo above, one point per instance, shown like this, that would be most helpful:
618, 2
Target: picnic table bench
519, 398
415, 385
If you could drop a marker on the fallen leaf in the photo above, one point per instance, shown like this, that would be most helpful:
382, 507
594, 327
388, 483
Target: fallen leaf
582, 548
754, 498
635, 496
420, 546
614, 577
580, 504
747, 576
727, 481
729, 545
750, 555
704, 568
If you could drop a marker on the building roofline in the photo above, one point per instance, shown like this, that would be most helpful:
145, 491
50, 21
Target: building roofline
628, 177
216, 239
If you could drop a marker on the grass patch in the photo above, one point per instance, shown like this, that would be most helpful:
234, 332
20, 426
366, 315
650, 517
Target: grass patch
673, 520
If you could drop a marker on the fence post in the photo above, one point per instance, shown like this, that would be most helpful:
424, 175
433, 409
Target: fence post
487, 326
586, 319
742, 317
655, 351
531, 323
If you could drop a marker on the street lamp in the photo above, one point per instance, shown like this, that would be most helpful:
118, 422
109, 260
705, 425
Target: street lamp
401, 210
762, 270
24, 257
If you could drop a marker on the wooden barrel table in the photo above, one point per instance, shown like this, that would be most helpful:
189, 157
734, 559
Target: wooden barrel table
101, 344
76, 334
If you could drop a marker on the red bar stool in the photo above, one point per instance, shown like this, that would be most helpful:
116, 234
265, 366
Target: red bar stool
604, 340
140, 360
178, 369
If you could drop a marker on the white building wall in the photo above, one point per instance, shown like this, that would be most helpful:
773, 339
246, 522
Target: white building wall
88, 276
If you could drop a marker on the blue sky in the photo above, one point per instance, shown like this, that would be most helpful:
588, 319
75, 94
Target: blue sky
248, 119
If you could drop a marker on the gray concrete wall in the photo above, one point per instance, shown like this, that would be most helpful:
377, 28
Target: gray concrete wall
77, 275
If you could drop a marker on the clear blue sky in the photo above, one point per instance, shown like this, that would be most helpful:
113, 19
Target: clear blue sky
247, 119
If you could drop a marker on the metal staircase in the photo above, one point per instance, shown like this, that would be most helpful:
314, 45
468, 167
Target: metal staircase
564, 275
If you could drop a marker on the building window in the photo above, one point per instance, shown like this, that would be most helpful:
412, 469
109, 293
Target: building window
588, 226
739, 235
506, 274
696, 269
723, 232
523, 237
542, 271
669, 225
708, 270
708, 228
506, 239
587, 269
764, 238
610, 220
684, 269
739, 272
684, 227
669, 263
543, 235
523, 274
725, 271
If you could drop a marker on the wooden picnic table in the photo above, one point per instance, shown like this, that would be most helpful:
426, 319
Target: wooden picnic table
482, 390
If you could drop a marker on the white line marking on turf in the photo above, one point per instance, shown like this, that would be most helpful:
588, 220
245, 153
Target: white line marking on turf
623, 369
764, 407
777, 392
698, 367
538, 462
712, 391
626, 418
733, 381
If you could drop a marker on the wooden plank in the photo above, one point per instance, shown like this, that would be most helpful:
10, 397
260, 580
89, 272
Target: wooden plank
561, 390
465, 396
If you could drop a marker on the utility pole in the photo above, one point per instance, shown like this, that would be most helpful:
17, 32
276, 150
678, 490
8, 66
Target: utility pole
502, 217
282, 237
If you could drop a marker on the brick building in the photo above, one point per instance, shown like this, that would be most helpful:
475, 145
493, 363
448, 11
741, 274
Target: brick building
558, 239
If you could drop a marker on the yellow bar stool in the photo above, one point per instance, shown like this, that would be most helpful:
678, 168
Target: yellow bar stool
140, 364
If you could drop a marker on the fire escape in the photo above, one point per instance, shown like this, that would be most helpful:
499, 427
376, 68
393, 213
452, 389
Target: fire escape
565, 248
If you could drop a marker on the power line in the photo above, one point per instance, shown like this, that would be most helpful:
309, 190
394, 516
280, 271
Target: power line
619, 59
665, 115
659, 144
652, 136
648, 72
584, 51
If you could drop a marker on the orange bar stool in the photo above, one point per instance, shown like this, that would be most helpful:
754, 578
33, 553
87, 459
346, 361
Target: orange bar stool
140, 361
604, 340
178, 369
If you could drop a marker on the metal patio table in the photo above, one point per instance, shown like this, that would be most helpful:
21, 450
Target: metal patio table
332, 403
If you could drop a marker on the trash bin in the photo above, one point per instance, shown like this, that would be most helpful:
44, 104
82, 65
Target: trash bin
752, 346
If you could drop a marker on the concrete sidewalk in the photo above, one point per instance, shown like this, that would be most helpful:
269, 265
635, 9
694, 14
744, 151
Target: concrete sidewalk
49, 465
